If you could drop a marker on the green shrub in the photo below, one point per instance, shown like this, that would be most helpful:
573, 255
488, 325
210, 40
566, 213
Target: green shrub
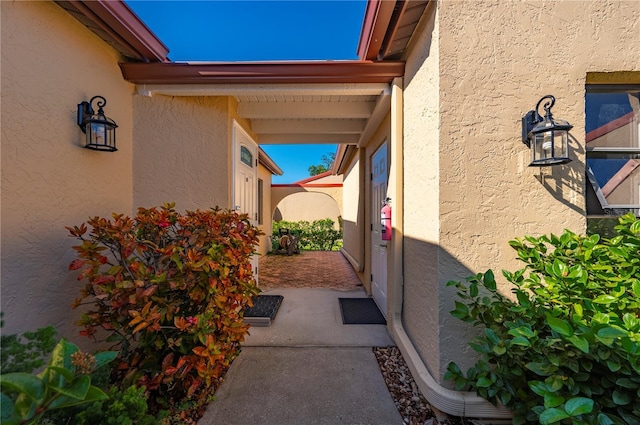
26, 352
128, 407
318, 235
65, 382
603, 226
567, 348
169, 290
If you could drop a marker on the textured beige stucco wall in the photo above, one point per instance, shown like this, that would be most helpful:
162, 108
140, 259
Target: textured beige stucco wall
493, 61
332, 196
182, 152
353, 213
421, 198
331, 179
310, 206
50, 63
310, 203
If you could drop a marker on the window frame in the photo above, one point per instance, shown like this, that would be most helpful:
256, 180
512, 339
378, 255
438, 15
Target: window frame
608, 153
260, 201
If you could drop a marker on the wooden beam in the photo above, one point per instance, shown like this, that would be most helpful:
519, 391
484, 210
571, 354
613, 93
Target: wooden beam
261, 90
255, 110
308, 126
307, 139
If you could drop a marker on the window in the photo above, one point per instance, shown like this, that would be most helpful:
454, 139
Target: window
246, 156
260, 200
612, 149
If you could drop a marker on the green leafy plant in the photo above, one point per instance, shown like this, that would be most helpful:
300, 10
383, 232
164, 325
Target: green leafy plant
26, 352
566, 347
65, 382
128, 407
318, 235
169, 290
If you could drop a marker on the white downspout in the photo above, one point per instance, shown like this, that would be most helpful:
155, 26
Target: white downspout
456, 403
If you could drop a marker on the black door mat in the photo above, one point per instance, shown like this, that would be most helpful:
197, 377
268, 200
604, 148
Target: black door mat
360, 311
264, 310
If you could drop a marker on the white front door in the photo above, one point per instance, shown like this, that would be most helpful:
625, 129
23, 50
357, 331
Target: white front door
245, 179
379, 181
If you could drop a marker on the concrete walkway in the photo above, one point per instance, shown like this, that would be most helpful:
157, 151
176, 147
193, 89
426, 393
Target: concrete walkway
307, 368
303, 386
310, 317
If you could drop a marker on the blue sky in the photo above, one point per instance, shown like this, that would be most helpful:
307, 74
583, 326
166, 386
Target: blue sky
262, 30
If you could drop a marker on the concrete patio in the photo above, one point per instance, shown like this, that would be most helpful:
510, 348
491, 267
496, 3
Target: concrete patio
307, 367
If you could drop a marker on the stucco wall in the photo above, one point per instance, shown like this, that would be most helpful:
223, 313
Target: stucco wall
182, 152
50, 63
422, 198
496, 60
266, 226
329, 201
353, 214
309, 206
317, 199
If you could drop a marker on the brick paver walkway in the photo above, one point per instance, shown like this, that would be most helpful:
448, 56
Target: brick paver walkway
309, 269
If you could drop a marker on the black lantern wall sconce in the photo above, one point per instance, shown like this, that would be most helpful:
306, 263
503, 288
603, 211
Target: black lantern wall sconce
547, 138
100, 130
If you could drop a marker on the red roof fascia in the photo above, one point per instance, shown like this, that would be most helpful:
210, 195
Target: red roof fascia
308, 185
262, 72
116, 18
314, 178
377, 17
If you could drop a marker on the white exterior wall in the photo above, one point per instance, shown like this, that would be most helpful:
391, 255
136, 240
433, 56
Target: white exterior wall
50, 63
476, 69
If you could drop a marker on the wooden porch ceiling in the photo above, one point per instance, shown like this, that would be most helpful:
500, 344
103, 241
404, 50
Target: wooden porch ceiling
286, 102
297, 114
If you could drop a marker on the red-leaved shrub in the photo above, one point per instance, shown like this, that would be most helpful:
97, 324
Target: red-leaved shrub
169, 290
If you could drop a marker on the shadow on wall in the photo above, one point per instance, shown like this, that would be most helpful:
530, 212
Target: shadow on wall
562, 182
438, 337
277, 215
426, 301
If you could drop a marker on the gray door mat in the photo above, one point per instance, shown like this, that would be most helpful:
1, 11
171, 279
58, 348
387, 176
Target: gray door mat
264, 310
360, 311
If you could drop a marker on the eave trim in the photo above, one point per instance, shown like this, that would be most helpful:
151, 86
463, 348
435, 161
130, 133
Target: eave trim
269, 163
262, 72
375, 26
121, 22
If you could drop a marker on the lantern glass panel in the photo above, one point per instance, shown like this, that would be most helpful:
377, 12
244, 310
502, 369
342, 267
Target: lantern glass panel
549, 143
560, 144
98, 133
101, 136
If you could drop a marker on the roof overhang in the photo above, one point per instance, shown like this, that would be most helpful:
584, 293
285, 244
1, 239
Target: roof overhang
262, 72
388, 26
118, 26
334, 102
269, 163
